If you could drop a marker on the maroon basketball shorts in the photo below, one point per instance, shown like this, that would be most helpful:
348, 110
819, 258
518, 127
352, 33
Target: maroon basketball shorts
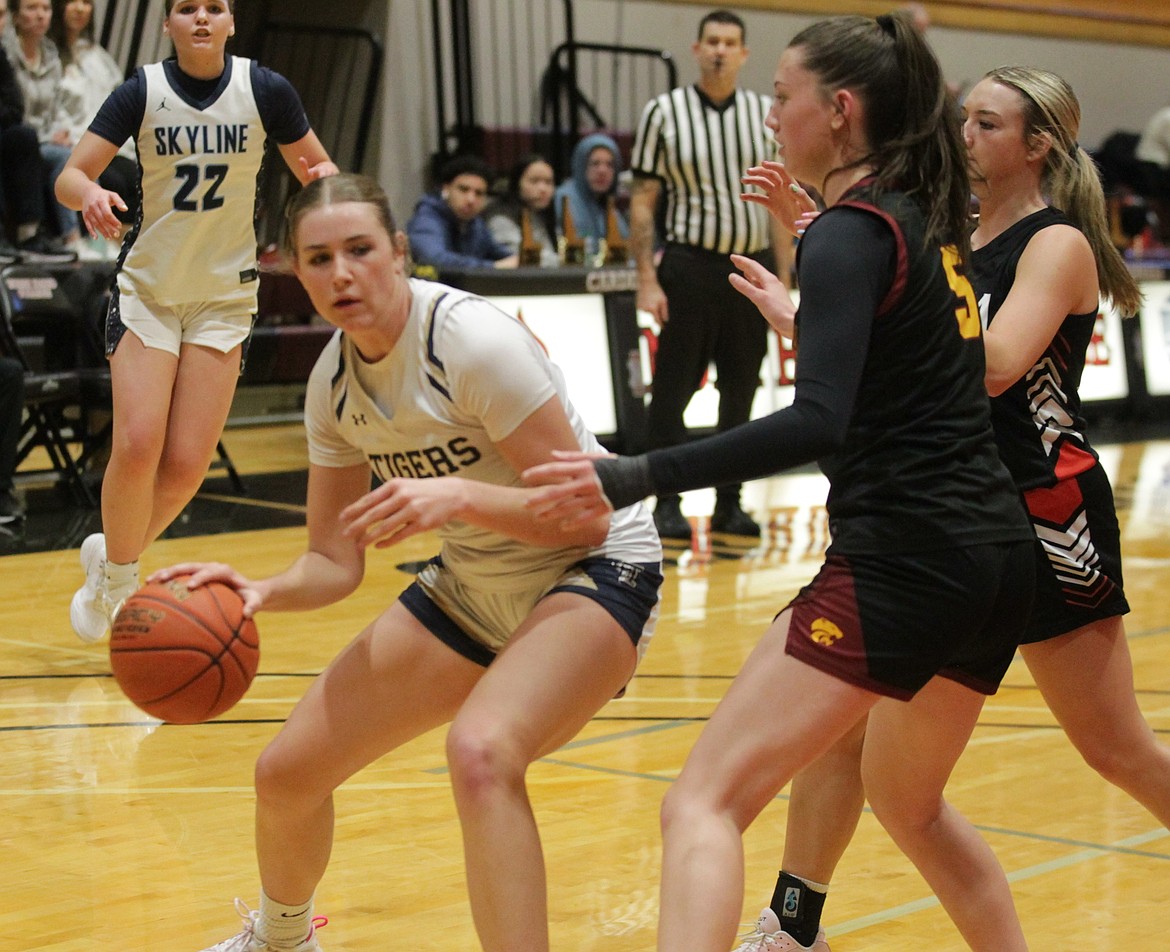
889, 623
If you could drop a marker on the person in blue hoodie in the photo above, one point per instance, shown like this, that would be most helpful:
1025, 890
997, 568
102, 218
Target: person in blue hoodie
595, 168
448, 230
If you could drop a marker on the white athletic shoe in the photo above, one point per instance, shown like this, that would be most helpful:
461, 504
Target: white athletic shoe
87, 611
767, 936
247, 941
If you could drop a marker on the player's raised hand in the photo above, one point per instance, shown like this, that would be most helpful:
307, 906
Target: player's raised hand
766, 292
320, 170
784, 198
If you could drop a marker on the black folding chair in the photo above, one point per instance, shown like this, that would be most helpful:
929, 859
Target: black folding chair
71, 326
54, 408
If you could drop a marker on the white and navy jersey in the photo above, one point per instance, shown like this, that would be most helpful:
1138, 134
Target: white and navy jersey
200, 148
462, 377
700, 151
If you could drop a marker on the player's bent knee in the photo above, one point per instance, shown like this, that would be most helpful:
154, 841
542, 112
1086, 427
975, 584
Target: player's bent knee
282, 778
680, 809
481, 761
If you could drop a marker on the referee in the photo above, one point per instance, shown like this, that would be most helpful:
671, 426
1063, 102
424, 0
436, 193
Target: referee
694, 143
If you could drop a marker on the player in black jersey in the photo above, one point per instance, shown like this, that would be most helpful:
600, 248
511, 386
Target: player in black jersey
1038, 270
914, 616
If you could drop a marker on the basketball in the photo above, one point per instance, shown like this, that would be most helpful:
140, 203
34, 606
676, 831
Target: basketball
184, 655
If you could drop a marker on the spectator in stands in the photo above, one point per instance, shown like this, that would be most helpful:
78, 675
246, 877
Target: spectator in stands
448, 230
593, 180
530, 187
1154, 144
1153, 157
22, 185
38, 69
11, 410
89, 75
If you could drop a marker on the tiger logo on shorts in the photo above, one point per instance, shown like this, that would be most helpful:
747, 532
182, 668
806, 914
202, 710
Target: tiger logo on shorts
825, 633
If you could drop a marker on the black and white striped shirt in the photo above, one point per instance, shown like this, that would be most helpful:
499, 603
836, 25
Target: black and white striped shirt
699, 151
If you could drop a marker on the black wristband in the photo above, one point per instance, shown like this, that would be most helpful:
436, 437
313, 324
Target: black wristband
624, 479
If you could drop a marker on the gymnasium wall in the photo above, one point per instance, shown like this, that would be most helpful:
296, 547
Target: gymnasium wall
1119, 85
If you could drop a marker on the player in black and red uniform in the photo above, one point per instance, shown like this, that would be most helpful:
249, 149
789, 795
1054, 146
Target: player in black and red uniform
926, 585
1038, 273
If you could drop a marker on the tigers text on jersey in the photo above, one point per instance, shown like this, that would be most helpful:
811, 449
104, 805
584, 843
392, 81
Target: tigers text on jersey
199, 166
461, 378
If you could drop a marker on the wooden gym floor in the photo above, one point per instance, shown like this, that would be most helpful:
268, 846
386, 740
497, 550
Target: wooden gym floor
118, 833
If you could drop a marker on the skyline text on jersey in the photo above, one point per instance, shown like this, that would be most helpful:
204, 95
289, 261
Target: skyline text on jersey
201, 139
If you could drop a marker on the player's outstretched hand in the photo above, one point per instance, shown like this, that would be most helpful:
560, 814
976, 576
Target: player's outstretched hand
400, 508
783, 197
765, 291
320, 170
572, 493
203, 572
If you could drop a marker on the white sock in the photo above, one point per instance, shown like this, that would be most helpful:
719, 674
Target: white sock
284, 927
121, 579
26, 231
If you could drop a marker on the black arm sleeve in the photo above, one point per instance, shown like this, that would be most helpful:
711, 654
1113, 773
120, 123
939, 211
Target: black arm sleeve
847, 265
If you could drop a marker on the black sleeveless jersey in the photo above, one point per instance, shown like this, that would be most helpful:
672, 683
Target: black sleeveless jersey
919, 467
889, 399
1038, 423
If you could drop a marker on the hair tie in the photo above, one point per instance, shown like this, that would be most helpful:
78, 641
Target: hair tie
886, 22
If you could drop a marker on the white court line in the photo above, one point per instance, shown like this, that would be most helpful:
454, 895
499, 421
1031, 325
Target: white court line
1028, 872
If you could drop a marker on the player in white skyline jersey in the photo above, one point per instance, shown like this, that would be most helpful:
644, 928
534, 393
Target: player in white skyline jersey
187, 277
516, 634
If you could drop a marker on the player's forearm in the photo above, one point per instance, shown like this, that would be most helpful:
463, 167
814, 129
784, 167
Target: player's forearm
502, 509
71, 188
314, 580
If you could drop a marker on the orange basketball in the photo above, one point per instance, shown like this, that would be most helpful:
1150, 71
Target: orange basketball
184, 655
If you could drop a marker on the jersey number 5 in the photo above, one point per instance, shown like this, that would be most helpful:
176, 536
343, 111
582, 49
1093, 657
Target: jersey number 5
189, 176
967, 313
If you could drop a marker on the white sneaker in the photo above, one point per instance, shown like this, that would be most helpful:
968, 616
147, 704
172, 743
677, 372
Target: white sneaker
767, 936
87, 611
247, 941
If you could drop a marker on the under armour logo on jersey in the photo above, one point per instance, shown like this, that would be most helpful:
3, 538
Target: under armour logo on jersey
359, 419
163, 105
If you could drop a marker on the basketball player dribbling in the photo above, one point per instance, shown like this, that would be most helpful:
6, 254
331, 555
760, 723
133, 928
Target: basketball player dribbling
515, 635
187, 277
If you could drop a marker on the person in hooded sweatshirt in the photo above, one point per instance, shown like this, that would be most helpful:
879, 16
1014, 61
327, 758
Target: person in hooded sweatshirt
596, 164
